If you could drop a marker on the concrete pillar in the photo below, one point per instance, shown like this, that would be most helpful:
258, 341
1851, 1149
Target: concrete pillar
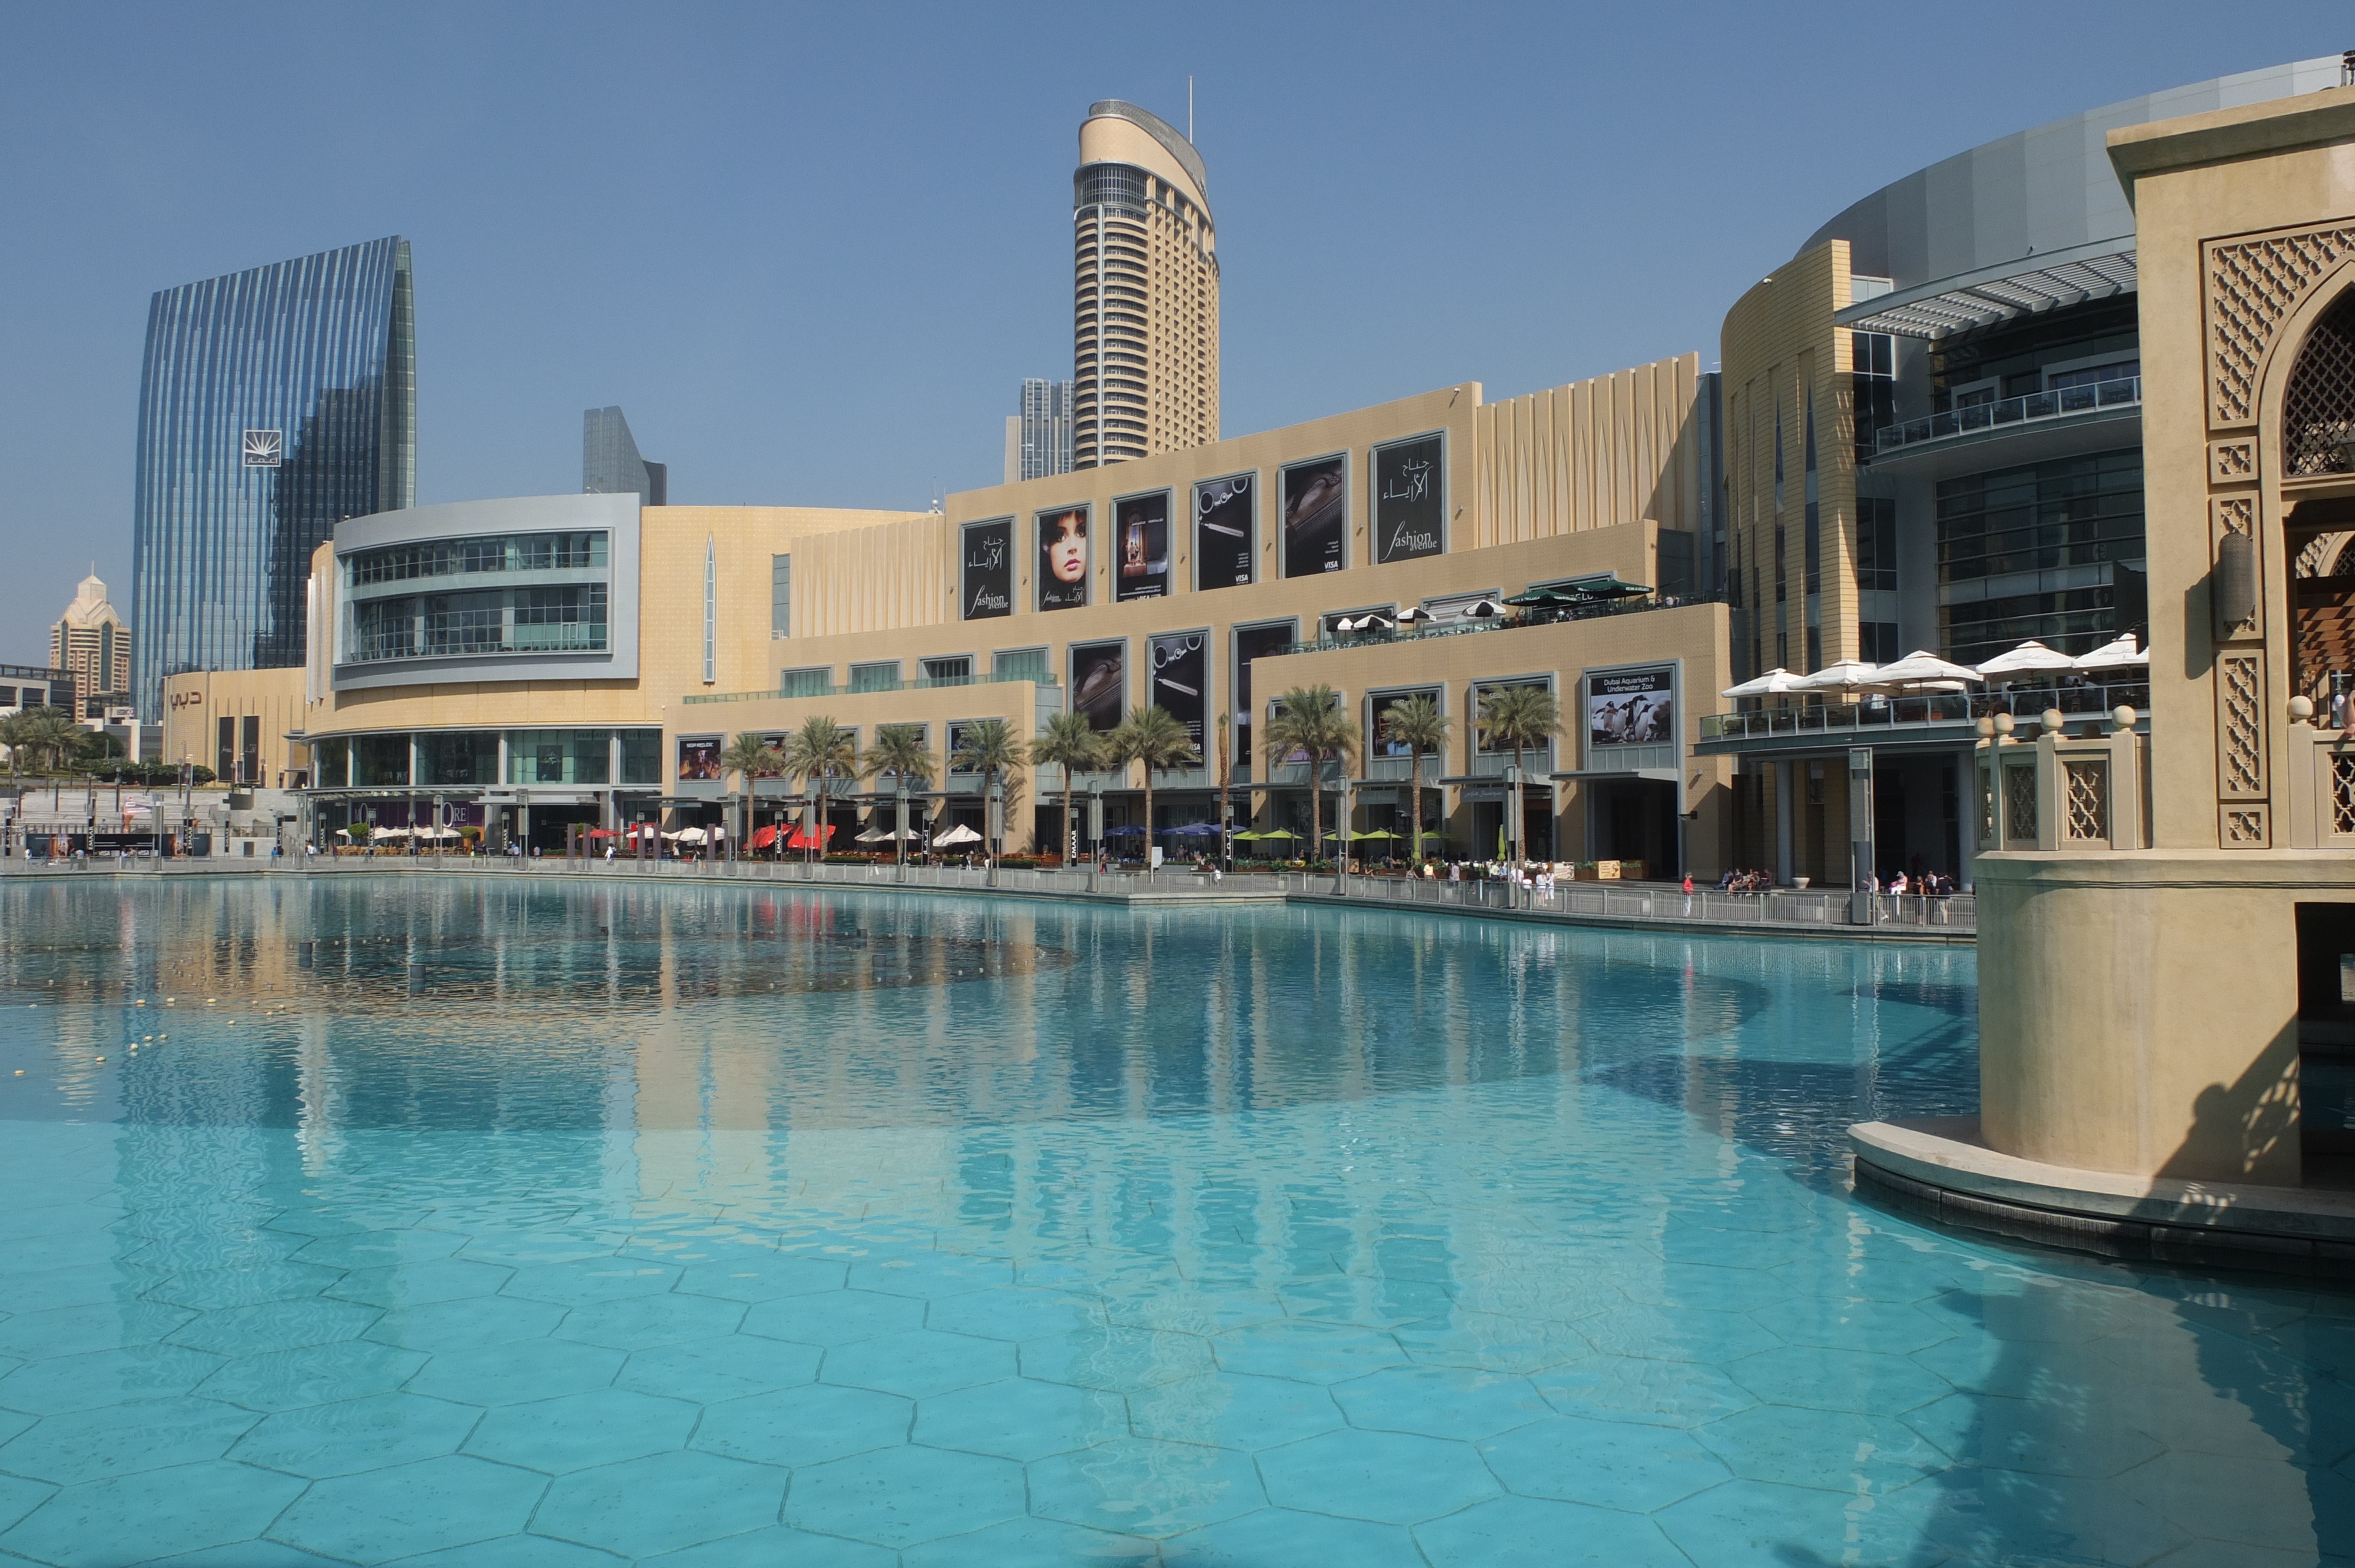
1786, 778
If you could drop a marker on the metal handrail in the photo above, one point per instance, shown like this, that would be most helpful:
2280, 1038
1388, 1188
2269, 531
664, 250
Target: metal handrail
1938, 708
2118, 394
1515, 622
922, 684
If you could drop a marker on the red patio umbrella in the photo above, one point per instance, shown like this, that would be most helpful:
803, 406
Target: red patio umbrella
802, 841
764, 837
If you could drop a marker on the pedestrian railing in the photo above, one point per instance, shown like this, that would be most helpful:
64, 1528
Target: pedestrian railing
1661, 902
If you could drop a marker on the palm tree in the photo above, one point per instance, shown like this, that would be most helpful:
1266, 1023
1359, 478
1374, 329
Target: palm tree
47, 734
1225, 774
1310, 719
1071, 744
749, 756
821, 749
989, 748
1153, 737
900, 750
1417, 724
1521, 717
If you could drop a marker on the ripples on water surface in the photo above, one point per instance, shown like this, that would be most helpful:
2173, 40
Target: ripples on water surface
570, 1224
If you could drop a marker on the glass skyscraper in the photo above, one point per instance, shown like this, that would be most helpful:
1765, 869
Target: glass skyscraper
272, 404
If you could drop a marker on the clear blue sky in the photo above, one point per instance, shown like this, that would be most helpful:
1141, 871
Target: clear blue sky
812, 251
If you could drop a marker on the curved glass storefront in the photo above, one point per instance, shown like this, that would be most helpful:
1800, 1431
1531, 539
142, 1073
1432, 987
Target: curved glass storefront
458, 759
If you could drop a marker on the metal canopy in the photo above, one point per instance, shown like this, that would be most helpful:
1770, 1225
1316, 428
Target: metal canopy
1999, 293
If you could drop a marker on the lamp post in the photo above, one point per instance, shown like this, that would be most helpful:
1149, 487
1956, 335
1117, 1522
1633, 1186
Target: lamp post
1096, 828
523, 827
1513, 831
899, 832
996, 825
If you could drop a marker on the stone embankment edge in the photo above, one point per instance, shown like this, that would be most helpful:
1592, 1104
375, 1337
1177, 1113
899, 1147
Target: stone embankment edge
1939, 1168
1904, 935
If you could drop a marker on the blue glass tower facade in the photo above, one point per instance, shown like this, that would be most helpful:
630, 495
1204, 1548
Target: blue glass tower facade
272, 404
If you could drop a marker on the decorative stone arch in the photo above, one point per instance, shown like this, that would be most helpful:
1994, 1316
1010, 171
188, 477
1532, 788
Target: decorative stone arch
2305, 411
2265, 295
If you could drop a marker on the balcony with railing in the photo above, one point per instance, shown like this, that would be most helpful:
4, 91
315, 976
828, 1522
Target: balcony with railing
1931, 711
2037, 410
1594, 609
924, 683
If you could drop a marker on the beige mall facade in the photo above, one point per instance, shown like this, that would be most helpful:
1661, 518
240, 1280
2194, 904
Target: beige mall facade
549, 661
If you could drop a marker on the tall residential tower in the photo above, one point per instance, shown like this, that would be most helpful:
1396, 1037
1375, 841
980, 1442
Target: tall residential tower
1145, 290
272, 404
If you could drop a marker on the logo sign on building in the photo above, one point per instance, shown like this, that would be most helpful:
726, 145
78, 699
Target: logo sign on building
1099, 682
1630, 707
1223, 532
263, 448
987, 583
1141, 533
1063, 558
1410, 499
1315, 517
1180, 676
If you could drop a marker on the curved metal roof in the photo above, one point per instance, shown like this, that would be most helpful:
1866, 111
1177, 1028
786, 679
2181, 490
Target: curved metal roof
1161, 131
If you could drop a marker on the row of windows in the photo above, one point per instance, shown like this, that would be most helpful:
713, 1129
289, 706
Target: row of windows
2069, 512
458, 758
491, 553
565, 617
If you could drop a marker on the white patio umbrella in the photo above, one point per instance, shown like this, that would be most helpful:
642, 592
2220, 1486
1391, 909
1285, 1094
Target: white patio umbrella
1414, 615
1842, 675
1920, 667
2121, 654
874, 835
958, 836
692, 836
1775, 683
389, 833
2026, 659
1482, 609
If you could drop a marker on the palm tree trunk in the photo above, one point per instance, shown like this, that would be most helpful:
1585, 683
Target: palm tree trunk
1415, 833
1315, 806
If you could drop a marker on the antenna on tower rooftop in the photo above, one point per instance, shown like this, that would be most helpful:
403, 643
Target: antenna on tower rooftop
1190, 107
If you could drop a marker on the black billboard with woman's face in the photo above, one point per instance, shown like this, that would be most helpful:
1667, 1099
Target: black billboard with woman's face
1410, 499
1315, 517
1063, 558
1099, 685
1225, 531
1180, 676
988, 574
1141, 534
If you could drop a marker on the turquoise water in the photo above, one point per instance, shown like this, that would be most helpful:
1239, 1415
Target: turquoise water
565, 1225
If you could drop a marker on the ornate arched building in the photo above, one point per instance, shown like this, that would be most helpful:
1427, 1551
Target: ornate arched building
2166, 1012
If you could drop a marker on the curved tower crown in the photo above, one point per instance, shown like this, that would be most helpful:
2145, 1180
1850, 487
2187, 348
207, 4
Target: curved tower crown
1144, 291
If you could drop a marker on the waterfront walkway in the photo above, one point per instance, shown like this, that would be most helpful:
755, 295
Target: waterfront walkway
1784, 912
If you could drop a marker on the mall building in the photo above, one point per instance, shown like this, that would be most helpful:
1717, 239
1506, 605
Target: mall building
535, 664
1933, 440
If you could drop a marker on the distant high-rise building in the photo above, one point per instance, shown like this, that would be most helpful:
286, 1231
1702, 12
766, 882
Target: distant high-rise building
94, 643
1038, 439
272, 404
610, 464
1145, 290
